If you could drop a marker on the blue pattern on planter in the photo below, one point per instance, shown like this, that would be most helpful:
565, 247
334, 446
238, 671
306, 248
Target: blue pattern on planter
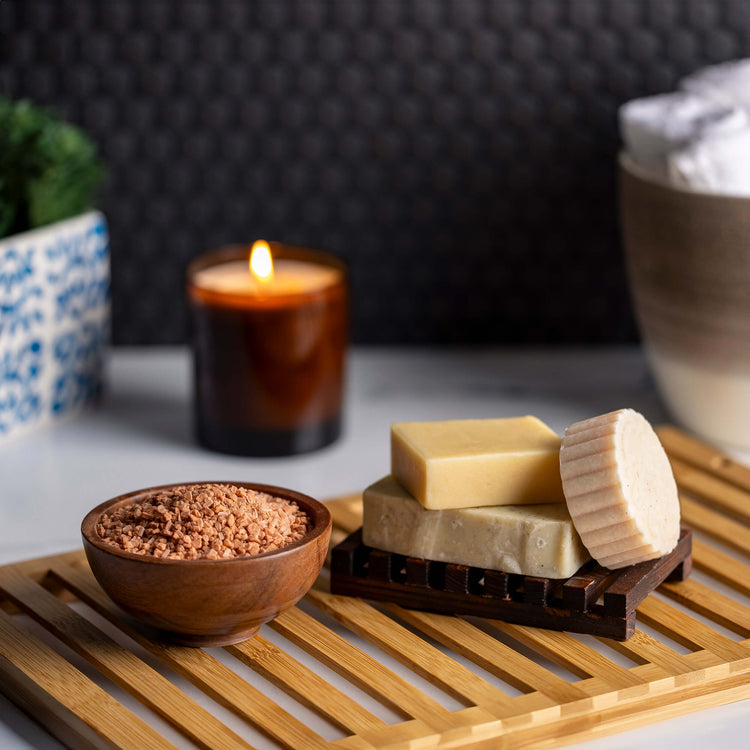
19, 291
79, 360
54, 320
20, 399
74, 260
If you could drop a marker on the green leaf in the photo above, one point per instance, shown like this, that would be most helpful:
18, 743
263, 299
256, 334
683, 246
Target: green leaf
68, 179
49, 169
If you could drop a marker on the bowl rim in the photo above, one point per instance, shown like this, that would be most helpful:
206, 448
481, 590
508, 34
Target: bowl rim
317, 511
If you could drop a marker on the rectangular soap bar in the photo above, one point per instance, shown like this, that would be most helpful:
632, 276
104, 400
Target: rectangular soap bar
473, 462
534, 540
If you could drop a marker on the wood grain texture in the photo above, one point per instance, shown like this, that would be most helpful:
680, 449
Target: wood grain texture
722, 567
408, 648
118, 664
704, 601
202, 669
304, 684
490, 654
722, 495
689, 632
683, 447
453, 654
75, 709
715, 525
361, 669
359, 570
569, 653
246, 591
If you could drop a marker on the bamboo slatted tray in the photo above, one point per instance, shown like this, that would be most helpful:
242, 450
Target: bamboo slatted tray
380, 676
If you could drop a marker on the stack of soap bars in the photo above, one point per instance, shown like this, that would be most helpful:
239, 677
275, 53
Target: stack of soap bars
485, 493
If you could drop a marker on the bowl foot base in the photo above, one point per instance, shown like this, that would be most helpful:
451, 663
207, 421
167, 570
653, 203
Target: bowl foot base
207, 641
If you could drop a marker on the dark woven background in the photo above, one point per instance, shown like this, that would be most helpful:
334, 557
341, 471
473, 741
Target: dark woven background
458, 154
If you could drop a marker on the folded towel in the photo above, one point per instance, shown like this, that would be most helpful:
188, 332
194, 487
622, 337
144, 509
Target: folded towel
726, 83
714, 164
655, 126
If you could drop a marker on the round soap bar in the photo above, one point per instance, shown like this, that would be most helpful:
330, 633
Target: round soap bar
620, 489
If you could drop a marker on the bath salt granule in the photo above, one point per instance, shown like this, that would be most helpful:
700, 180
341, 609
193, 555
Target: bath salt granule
204, 521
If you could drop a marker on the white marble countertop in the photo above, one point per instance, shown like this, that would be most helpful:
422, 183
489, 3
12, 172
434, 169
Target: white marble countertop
141, 436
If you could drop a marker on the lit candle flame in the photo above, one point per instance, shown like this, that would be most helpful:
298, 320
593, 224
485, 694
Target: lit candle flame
261, 263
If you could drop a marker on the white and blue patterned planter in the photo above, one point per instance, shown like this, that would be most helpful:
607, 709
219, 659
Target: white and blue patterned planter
54, 321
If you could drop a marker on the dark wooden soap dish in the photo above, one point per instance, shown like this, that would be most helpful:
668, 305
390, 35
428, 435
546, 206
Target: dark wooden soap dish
595, 600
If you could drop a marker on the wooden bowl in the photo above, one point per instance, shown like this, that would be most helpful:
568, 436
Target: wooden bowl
209, 602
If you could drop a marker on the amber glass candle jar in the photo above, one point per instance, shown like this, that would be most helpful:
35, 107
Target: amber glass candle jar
268, 351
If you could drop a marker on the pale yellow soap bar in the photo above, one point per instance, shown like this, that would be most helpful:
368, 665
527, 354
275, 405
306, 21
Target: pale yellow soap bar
474, 462
534, 540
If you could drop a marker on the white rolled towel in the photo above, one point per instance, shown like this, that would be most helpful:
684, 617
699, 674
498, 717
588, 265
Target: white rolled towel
714, 164
655, 126
726, 83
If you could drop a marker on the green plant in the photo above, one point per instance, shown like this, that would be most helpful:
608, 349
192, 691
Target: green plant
49, 169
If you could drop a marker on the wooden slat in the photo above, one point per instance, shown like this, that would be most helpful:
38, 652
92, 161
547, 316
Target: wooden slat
409, 649
346, 512
722, 495
410, 735
642, 647
683, 447
688, 631
721, 566
353, 743
582, 590
715, 525
490, 654
623, 715
631, 585
568, 652
204, 671
64, 700
705, 601
37, 570
303, 684
360, 668
347, 515
118, 664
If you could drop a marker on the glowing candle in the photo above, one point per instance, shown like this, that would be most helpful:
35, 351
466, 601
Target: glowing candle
269, 339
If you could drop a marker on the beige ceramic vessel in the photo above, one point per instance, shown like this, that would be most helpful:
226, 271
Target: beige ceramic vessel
688, 257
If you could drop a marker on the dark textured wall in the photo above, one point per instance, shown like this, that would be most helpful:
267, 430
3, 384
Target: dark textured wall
458, 154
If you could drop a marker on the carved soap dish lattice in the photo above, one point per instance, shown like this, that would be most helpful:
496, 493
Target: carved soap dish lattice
595, 600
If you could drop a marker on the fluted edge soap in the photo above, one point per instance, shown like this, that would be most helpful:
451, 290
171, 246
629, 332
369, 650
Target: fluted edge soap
533, 540
477, 462
620, 489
